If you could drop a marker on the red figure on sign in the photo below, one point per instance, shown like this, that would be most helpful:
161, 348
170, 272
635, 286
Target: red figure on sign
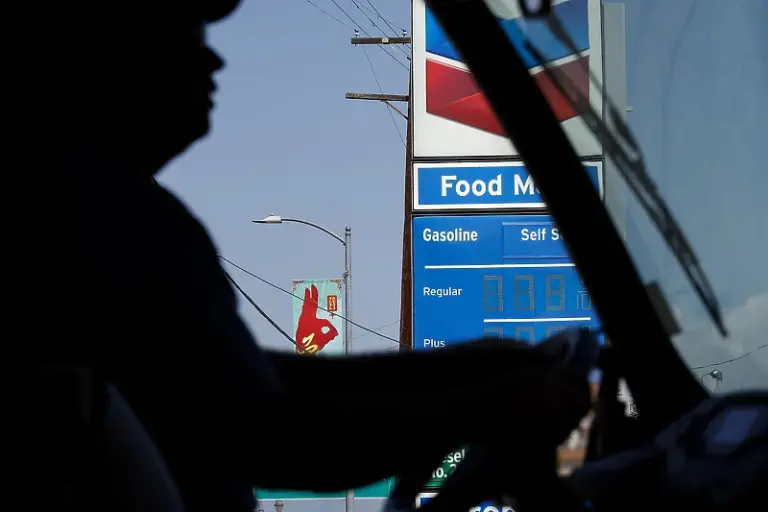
312, 333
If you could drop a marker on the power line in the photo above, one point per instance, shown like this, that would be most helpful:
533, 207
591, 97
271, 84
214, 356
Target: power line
313, 4
377, 329
378, 84
275, 325
387, 22
360, 8
366, 33
276, 287
732, 360
263, 313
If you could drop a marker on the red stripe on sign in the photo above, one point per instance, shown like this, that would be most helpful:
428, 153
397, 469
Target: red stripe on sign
452, 93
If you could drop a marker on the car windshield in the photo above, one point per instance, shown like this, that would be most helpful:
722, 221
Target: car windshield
688, 78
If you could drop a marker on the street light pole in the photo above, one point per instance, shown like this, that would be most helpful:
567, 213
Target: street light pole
347, 290
349, 498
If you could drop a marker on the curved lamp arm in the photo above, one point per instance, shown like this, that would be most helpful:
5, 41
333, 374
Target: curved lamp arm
276, 219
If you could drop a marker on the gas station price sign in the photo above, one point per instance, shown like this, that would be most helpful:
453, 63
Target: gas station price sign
445, 469
502, 276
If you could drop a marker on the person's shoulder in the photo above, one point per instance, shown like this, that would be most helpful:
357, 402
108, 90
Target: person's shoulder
177, 220
184, 242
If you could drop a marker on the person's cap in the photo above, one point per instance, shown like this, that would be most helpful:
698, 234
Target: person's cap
209, 11
216, 10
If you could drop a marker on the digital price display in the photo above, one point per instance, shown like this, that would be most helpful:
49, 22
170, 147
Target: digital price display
493, 276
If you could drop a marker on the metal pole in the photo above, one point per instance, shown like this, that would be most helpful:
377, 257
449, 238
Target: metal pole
349, 502
347, 290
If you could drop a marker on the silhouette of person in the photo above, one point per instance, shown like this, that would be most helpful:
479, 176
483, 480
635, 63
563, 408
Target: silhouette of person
161, 321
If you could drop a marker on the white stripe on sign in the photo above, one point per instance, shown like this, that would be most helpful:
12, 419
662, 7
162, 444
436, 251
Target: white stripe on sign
535, 320
500, 265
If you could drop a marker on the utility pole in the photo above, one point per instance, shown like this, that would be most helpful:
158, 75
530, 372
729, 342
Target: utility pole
406, 291
348, 291
388, 100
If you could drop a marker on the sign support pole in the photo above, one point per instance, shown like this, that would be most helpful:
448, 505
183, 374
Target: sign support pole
387, 99
406, 299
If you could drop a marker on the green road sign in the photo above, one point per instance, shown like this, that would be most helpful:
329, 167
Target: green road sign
446, 468
378, 490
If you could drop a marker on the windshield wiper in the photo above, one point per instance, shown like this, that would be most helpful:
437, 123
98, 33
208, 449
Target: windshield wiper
625, 152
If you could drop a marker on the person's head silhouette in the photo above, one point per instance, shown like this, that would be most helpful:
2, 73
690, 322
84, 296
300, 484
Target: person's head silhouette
143, 76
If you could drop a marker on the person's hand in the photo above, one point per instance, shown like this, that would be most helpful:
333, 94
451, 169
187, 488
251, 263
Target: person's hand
551, 385
312, 333
534, 397
511, 406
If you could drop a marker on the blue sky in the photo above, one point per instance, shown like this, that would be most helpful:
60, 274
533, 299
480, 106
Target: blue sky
285, 141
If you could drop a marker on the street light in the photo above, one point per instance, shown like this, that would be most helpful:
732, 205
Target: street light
346, 241
276, 219
270, 219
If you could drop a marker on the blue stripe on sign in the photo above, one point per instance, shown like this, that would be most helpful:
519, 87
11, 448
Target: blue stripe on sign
573, 15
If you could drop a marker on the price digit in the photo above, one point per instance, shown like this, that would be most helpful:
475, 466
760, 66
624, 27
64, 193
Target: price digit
493, 287
555, 292
584, 303
524, 293
524, 333
553, 330
493, 332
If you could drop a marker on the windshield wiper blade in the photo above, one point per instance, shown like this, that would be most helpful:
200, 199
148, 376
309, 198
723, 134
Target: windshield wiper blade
628, 158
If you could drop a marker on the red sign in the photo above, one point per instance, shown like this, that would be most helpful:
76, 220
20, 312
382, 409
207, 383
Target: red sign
313, 333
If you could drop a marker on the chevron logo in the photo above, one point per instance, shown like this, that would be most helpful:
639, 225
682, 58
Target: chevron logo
453, 94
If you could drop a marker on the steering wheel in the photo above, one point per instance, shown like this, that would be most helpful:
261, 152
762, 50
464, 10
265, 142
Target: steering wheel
509, 475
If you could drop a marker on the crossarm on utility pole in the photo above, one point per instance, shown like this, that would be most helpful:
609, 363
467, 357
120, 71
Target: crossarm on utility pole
381, 40
384, 98
376, 97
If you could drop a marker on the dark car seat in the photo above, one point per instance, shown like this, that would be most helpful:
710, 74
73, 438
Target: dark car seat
95, 453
